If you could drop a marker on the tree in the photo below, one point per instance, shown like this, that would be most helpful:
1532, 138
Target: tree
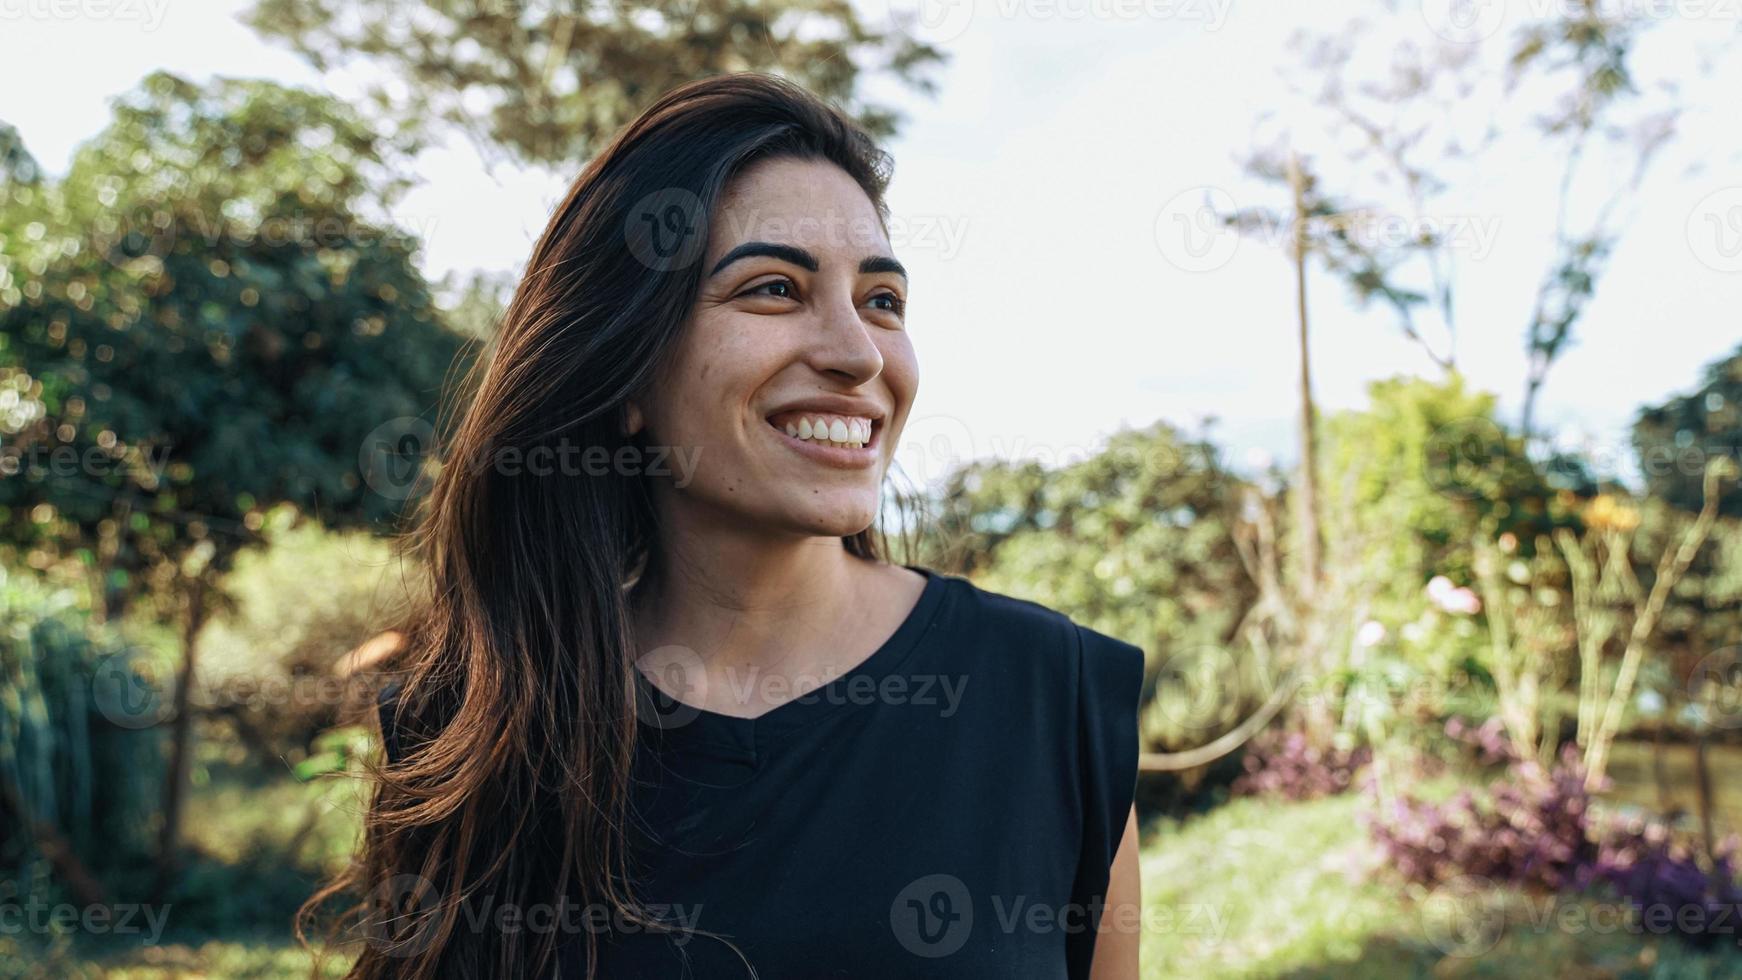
1675, 439
199, 322
1427, 460
17, 166
1402, 115
1607, 594
549, 81
1306, 205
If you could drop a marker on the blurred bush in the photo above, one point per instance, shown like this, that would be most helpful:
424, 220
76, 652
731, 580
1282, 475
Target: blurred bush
1704, 613
81, 761
1393, 639
270, 660
1535, 828
1429, 464
1287, 765
1675, 439
1530, 828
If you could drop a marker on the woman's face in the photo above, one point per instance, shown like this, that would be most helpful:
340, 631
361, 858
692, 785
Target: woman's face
794, 374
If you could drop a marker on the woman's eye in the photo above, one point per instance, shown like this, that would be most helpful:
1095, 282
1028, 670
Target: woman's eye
897, 305
785, 284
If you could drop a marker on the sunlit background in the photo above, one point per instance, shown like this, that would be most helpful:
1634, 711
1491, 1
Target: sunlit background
1517, 270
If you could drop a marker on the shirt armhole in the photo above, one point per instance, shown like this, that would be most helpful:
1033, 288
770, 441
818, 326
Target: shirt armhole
1109, 687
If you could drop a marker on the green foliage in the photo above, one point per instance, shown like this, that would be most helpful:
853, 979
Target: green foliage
245, 808
200, 322
1147, 517
1410, 484
262, 834
299, 602
1590, 46
1427, 462
550, 83
74, 760
1675, 439
17, 166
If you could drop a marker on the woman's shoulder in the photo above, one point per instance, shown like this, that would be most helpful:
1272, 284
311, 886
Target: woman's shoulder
1017, 629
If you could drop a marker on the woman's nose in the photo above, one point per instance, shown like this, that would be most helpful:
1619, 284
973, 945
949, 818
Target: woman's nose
843, 344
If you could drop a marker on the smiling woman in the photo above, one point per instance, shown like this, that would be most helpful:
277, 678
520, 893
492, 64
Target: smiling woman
649, 727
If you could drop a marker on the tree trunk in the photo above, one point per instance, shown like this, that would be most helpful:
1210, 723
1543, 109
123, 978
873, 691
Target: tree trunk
1670, 569
1527, 416
1703, 785
1658, 774
1307, 496
181, 739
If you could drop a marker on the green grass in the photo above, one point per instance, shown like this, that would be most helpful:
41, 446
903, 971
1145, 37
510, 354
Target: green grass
239, 811
214, 958
1259, 888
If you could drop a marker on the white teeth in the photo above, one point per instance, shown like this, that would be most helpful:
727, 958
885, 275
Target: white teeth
836, 431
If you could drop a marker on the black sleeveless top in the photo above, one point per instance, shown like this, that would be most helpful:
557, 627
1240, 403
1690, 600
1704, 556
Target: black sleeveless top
948, 808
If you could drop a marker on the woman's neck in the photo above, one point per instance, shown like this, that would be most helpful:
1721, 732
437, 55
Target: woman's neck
739, 630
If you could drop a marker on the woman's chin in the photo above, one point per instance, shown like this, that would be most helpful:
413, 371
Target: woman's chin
833, 514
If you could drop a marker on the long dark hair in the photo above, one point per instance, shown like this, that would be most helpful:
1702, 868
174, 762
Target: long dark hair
516, 712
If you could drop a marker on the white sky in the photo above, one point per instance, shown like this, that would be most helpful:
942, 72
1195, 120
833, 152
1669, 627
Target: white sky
1046, 309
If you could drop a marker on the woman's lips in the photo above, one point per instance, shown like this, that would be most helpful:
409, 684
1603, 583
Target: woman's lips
841, 457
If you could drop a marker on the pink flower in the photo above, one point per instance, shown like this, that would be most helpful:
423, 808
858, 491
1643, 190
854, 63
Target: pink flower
1462, 600
1452, 598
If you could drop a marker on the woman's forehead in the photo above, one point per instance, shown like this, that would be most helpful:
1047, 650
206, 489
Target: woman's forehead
808, 203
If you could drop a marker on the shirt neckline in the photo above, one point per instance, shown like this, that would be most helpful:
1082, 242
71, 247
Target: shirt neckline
681, 721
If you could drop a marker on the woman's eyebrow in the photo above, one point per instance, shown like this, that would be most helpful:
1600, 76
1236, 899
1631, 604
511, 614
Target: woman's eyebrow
882, 263
786, 253
803, 259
